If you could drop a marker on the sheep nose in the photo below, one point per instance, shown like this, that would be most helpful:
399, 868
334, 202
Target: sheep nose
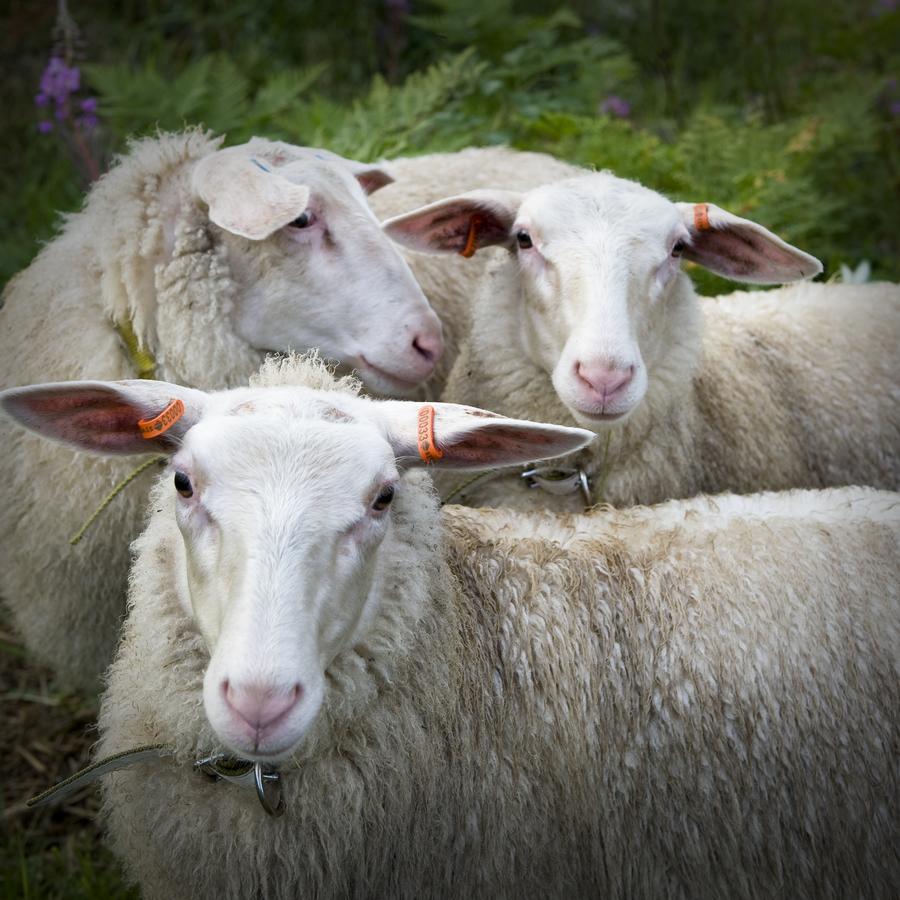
261, 706
603, 379
429, 345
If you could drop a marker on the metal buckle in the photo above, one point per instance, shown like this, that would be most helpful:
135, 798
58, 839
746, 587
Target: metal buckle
559, 481
264, 779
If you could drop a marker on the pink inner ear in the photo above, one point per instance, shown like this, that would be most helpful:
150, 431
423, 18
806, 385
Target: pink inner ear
502, 444
373, 180
745, 254
447, 228
94, 420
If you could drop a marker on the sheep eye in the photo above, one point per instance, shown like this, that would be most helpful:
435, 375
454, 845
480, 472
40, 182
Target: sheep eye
183, 485
679, 246
524, 240
304, 220
383, 500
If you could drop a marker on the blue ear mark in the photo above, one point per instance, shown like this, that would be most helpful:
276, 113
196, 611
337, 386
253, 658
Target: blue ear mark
259, 165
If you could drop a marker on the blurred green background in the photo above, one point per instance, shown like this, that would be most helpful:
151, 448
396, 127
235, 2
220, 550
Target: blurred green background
786, 112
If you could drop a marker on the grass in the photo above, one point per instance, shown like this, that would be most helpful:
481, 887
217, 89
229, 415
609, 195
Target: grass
54, 853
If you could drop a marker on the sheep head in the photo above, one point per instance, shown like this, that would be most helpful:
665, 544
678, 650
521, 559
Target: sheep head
283, 497
313, 265
597, 274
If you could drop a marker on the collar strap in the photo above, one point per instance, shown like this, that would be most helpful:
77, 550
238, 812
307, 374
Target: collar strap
97, 769
159, 425
427, 445
701, 217
471, 238
254, 775
141, 359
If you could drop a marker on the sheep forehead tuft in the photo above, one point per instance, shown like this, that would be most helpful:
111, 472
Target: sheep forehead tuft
303, 370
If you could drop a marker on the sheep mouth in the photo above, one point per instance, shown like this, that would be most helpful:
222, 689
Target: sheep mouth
394, 382
593, 415
270, 753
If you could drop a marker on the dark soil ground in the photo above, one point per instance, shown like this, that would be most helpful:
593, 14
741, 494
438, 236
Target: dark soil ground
46, 733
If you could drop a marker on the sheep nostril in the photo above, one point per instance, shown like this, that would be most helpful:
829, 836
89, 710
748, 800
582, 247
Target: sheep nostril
603, 379
261, 706
427, 347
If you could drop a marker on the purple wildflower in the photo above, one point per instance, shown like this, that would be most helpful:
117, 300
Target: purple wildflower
59, 87
59, 84
895, 109
59, 80
616, 106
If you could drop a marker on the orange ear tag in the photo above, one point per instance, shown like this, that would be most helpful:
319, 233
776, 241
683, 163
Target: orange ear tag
470, 248
701, 217
427, 447
152, 428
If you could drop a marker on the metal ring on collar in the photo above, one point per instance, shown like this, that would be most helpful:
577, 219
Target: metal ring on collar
273, 778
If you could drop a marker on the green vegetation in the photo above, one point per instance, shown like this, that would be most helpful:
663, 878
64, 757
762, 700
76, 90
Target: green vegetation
784, 112
76, 869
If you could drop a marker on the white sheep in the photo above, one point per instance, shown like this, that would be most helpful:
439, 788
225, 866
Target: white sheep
189, 262
698, 699
588, 319
450, 284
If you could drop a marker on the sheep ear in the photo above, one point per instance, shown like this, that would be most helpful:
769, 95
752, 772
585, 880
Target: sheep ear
461, 224
371, 178
245, 195
740, 249
107, 417
463, 437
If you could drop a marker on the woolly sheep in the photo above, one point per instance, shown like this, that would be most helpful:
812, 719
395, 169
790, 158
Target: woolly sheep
201, 253
449, 284
697, 699
588, 319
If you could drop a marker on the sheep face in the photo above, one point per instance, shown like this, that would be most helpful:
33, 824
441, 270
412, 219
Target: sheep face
596, 260
603, 304
314, 268
283, 497
281, 561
